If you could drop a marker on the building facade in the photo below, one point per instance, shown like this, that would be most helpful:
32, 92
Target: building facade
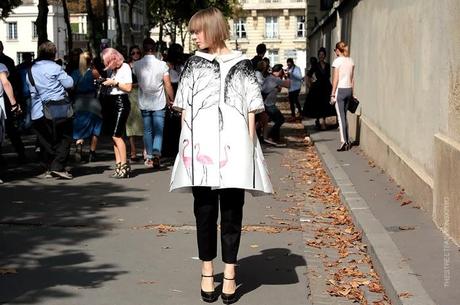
280, 24
18, 32
79, 23
408, 82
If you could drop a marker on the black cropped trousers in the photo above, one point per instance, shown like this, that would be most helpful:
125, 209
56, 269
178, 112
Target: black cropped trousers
206, 210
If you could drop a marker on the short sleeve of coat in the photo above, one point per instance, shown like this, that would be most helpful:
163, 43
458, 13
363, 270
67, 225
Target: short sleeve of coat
183, 94
252, 92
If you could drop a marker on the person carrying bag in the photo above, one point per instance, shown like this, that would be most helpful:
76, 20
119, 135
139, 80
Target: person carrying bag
51, 110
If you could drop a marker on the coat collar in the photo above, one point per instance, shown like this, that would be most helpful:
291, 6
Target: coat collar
225, 57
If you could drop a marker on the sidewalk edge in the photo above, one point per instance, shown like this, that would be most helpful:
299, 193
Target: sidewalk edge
396, 275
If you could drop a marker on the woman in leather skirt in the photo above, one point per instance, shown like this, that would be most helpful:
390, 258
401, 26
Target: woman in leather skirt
120, 80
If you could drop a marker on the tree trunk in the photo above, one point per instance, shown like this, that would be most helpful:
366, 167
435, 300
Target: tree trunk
130, 21
41, 22
116, 10
106, 19
93, 43
69, 28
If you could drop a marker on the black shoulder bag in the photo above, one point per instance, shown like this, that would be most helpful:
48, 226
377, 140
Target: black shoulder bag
55, 111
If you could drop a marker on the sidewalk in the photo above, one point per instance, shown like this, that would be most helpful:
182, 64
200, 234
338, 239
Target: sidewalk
427, 257
101, 241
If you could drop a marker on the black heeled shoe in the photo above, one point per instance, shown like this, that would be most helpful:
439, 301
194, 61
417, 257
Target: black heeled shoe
228, 298
208, 296
343, 147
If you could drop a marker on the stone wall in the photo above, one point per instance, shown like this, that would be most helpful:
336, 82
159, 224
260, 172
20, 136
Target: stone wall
408, 81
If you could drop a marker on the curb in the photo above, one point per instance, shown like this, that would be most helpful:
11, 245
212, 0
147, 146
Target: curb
396, 275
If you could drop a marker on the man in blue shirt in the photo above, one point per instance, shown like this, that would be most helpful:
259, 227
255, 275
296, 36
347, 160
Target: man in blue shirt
51, 82
295, 76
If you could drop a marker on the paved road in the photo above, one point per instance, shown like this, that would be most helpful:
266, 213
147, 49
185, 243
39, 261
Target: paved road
95, 240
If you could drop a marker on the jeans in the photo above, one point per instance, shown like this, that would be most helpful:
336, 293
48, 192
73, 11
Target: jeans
294, 102
206, 210
278, 119
154, 122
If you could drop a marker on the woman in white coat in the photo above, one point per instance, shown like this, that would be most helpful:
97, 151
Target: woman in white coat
219, 153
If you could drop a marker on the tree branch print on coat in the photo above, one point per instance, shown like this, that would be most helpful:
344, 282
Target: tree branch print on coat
198, 77
238, 78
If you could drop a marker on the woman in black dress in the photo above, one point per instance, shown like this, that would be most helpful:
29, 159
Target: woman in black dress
317, 104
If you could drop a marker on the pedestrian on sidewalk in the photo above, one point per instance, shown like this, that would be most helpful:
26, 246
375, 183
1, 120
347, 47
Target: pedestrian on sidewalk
12, 122
153, 80
48, 82
342, 90
134, 125
220, 156
121, 83
295, 76
5, 86
261, 49
270, 88
87, 123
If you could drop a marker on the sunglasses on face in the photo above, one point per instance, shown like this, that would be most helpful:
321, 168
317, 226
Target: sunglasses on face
135, 52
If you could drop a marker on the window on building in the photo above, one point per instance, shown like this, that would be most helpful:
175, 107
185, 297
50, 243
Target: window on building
12, 30
273, 56
34, 29
75, 28
20, 58
301, 26
271, 27
239, 28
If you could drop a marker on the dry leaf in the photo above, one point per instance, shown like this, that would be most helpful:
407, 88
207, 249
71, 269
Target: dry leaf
406, 202
7, 271
405, 294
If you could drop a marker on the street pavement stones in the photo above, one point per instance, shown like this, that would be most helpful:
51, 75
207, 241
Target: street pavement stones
96, 240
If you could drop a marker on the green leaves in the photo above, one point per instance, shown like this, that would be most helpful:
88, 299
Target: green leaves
7, 6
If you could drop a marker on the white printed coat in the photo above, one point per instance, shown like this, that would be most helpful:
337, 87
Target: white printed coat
215, 148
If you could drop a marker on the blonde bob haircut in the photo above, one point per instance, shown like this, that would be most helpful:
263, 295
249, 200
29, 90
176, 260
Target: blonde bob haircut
212, 22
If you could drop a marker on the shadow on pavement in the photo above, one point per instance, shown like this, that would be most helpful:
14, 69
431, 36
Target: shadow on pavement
276, 266
44, 231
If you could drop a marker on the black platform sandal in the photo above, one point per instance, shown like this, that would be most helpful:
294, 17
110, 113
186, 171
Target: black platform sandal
228, 298
208, 296
124, 171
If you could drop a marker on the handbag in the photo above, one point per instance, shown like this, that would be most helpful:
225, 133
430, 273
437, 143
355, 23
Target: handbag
102, 91
353, 104
54, 110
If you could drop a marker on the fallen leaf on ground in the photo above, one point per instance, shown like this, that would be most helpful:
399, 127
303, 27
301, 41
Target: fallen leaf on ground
406, 228
405, 294
7, 271
406, 202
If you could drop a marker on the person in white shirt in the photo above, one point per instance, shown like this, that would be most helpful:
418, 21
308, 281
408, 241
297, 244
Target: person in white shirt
121, 83
153, 80
342, 90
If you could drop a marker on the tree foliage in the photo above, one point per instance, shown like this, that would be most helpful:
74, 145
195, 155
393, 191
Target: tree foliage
173, 15
7, 6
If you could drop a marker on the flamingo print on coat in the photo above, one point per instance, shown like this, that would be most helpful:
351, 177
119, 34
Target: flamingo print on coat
205, 160
224, 162
186, 159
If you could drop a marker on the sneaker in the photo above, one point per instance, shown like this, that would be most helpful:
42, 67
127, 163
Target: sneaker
156, 162
274, 143
63, 175
270, 141
148, 163
47, 175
